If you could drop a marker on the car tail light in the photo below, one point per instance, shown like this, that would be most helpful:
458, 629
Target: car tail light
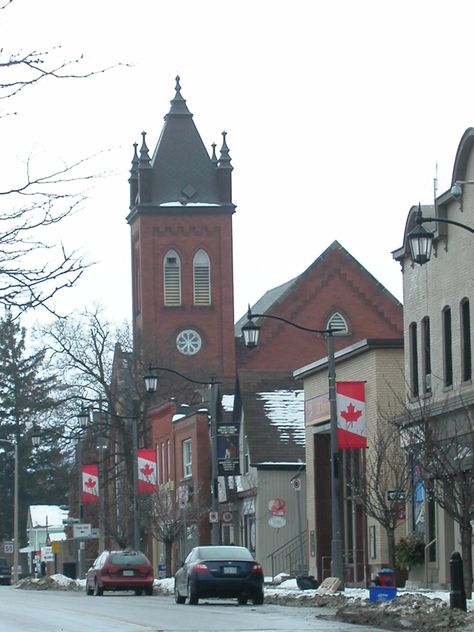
201, 568
256, 568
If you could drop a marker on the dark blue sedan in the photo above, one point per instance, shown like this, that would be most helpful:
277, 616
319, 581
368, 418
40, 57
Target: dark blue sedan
219, 571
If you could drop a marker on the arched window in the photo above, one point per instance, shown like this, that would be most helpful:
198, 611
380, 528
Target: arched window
466, 358
447, 347
426, 357
202, 278
337, 321
413, 347
172, 278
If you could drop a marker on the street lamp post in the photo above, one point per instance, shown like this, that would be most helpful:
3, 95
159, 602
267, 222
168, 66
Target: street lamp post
151, 384
83, 418
15, 509
251, 333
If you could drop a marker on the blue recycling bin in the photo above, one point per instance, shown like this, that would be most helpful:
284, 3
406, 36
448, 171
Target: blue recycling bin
378, 594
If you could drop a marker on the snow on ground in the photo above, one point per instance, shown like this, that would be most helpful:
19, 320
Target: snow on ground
287, 589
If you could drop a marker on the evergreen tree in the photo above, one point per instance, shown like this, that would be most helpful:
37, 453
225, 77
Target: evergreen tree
25, 399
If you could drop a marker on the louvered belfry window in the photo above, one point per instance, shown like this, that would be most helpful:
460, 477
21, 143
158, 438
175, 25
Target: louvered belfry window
337, 321
172, 279
202, 278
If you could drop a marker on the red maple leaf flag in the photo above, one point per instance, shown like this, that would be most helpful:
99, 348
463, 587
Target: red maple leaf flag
350, 400
146, 463
90, 483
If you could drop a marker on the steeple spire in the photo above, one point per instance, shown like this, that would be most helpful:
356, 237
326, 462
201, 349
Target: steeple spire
178, 104
214, 157
133, 180
144, 155
224, 159
134, 168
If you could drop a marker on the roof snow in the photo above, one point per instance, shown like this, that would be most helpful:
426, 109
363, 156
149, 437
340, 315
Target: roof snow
228, 403
285, 410
50, 516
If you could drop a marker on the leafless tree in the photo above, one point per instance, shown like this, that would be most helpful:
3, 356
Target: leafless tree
439, 440
33, 268
167, 521
383, 483
99, 374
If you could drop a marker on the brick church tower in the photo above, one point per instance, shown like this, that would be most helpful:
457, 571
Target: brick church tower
181, 243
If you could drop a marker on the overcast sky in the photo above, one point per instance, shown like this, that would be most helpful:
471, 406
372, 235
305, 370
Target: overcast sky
336, 113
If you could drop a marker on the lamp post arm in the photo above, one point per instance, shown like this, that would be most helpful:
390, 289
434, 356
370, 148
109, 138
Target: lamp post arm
250, 315
422, 220
185, 377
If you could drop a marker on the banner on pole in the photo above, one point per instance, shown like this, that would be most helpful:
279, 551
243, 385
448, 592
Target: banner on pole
146, 463
228, 451
350, 401
90, 484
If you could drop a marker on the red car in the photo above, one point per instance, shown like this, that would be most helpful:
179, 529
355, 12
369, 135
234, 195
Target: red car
120, 570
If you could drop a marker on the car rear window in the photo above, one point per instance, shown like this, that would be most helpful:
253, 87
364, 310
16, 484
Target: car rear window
224, 552
120, 559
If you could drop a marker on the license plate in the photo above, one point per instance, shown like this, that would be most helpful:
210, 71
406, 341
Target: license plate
128, 573
230, 570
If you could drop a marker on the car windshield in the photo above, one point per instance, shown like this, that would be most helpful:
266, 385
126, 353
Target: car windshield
119, 559
224, 553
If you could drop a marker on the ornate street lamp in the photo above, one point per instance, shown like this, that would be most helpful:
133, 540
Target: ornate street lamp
421, 240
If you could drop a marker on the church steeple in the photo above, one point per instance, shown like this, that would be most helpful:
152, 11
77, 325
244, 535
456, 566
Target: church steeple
181, 232
181, 172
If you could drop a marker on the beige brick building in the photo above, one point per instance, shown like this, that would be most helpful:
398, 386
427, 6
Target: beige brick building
438, 338
378, 363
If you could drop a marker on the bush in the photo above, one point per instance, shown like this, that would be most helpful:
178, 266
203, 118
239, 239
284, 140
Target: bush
409, 552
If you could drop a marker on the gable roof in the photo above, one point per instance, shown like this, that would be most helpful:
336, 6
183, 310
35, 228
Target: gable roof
273, 413
50, 516
270, 300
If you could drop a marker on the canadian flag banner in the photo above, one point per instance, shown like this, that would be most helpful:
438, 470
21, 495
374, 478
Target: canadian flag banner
350, 401
146, 460
90, 484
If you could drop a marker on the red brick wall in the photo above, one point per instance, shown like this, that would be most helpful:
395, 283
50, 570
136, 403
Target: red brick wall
334, 283
195, 427
156, 326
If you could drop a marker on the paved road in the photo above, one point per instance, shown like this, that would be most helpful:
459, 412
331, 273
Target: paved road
55, 611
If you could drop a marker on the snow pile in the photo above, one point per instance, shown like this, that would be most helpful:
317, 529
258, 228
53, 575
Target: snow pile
407, 612
54, 582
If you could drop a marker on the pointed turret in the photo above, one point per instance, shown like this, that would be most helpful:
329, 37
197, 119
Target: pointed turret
214, 157
178, 104
145, 174
133, 180
224, 172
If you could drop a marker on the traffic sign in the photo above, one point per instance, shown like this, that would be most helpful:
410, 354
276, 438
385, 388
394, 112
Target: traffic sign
81, 530
213, 517
8, 547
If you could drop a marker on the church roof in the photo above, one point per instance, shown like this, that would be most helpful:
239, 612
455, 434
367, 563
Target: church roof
181, 173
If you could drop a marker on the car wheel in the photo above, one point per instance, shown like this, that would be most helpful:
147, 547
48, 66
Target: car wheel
89, 590
98, 590
257, 600
149, 591
242, 600
193, 598
177, 597
138, 591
